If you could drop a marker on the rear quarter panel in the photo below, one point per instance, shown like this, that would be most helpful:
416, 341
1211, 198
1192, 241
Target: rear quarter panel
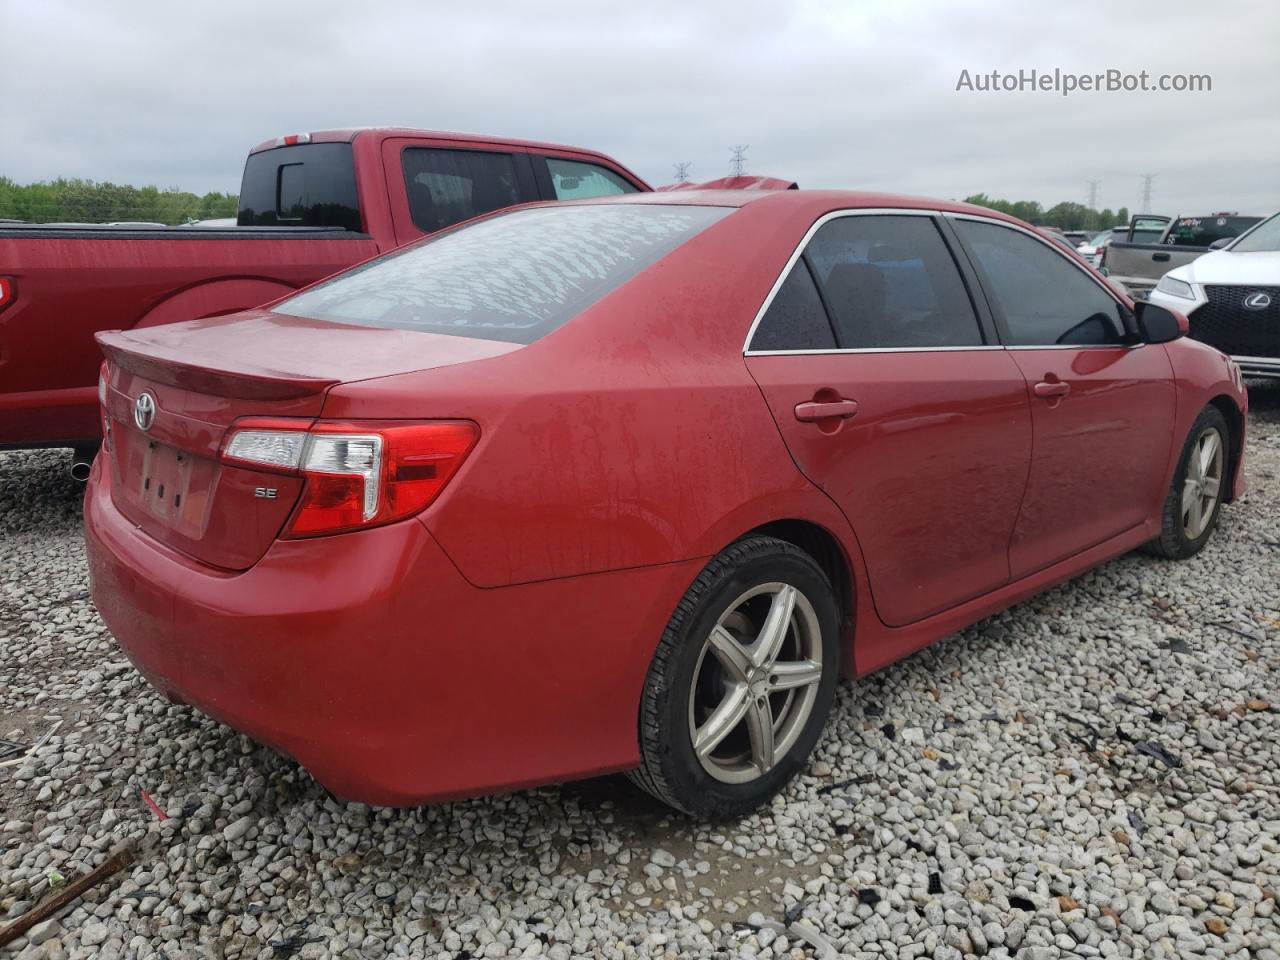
633, 435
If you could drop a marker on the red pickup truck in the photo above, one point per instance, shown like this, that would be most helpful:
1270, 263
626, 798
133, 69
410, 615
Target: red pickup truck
310, 205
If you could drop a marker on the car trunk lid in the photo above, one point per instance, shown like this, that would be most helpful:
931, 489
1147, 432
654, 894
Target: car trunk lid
175, 392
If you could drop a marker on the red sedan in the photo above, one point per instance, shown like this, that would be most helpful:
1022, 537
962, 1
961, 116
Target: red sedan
625, 484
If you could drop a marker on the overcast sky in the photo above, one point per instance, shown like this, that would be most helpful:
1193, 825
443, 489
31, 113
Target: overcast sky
839, 94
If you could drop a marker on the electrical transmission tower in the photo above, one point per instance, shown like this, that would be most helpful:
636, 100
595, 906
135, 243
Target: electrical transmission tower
1146, 192
1093, 194
682, 170
739, 162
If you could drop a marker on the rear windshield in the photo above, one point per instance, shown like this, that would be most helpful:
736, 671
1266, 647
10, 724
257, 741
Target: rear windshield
308, 185
1202, 231
514, 277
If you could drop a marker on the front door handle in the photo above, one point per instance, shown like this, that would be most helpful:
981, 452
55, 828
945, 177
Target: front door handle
1051, 389
1160, 257
818, 410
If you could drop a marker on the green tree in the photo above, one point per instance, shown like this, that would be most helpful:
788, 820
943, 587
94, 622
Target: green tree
88, 201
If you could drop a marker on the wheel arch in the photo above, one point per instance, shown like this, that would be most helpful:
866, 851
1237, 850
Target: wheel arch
1235, 447
214, 297
830, 554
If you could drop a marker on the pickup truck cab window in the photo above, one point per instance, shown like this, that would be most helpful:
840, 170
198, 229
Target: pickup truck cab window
445, 187
304, 185
889, 282
1042, 297
575, 180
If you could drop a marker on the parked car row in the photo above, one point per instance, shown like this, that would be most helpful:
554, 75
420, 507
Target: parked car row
1232, 298
1143, 255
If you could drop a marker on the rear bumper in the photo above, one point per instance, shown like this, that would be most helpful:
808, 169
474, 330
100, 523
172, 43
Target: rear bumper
369, 659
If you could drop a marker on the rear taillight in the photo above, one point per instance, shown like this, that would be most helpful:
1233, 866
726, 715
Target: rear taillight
8, 291
359, 474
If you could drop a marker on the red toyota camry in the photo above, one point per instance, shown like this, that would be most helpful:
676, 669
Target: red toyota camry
625, 484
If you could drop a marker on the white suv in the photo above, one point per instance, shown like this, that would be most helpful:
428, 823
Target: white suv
1232, 298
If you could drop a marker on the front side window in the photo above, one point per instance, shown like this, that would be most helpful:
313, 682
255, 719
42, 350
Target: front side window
448, 186
890, 281
514, 277
1043, 298
573, 180
1264, 238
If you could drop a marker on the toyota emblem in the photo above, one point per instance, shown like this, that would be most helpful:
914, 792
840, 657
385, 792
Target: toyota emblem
144, 411
1257, 301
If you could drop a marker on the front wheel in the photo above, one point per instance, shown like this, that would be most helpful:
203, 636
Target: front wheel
742, 681
1194, 501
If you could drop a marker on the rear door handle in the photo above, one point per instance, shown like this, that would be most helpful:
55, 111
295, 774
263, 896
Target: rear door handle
817, 410
1048, 389
1161, 257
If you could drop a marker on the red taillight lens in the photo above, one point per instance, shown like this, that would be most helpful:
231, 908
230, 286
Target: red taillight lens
8, 291
359, 474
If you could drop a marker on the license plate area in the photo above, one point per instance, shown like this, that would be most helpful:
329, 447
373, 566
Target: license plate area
173, 486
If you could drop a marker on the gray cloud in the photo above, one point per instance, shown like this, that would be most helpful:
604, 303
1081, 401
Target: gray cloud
831, 94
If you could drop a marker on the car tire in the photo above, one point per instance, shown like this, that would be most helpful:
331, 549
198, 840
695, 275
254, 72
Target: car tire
1194, 500
757, 634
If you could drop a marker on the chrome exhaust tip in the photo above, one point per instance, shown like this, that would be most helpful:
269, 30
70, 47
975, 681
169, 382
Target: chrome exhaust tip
82, 463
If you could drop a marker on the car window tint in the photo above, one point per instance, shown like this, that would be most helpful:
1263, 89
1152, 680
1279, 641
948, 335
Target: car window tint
306, 185
891, 282
796, 320
513, 277
1044, 299
448, 186
576, 181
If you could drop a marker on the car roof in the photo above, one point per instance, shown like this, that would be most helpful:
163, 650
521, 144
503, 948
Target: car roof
816, 202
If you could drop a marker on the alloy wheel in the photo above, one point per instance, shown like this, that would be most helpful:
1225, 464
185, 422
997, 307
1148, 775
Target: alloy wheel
756, 681
1203, 483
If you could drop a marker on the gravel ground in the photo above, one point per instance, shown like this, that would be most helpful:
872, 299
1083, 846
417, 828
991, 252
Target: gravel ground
1093, 773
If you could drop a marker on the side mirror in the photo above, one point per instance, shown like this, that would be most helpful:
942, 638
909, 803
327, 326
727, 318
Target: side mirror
1220, 243
1156, 324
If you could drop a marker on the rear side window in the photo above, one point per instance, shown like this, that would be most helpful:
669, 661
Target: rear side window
448, 186
890, 282
514, 277
1044, 299
796, 320
573, 180
307, 185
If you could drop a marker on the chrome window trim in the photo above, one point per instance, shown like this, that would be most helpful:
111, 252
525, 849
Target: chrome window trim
789, 353
791, 262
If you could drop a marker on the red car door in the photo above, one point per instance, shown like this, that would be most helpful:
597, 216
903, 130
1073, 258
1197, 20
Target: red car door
894, 399
1102, 407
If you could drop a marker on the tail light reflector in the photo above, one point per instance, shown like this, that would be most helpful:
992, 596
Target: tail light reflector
8, 291
359, 474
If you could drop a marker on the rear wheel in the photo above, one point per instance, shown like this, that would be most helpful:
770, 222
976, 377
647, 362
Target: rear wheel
742, 681
1194, 500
